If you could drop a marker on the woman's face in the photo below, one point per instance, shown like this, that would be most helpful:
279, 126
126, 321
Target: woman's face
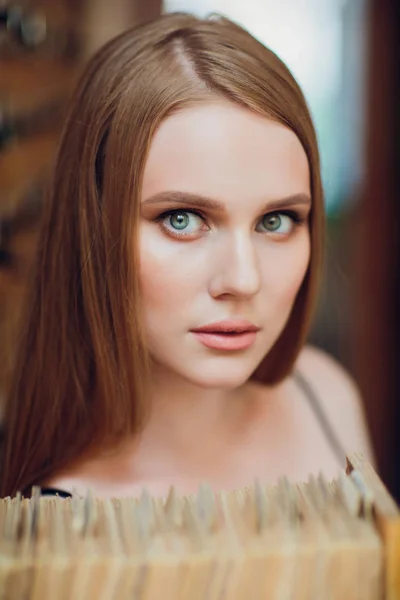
224, 237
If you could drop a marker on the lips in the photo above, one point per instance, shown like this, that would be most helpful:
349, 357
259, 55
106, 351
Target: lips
228, 326
227, 335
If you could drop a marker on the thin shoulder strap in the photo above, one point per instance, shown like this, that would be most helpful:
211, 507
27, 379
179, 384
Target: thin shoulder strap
323, 420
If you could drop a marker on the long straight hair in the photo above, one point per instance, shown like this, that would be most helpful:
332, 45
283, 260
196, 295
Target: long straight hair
80, 376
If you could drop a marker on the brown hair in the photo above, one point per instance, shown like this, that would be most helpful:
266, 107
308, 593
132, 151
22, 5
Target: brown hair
79, 381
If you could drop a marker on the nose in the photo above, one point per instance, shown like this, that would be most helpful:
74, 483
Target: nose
236, 269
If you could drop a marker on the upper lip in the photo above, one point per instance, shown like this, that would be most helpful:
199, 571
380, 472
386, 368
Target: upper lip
228, 326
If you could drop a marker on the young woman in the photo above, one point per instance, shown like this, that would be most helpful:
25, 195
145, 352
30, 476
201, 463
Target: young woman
177, 274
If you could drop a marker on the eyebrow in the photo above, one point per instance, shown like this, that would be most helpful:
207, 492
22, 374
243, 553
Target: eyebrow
197, 200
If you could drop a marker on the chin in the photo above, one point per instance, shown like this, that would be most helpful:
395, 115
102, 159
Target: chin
219, 383
228, 378
215, 372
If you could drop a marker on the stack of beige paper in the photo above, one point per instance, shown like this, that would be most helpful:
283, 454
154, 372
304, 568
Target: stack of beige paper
317, 540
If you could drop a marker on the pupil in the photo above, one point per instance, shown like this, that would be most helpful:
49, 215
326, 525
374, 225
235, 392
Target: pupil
179, 220
272, 223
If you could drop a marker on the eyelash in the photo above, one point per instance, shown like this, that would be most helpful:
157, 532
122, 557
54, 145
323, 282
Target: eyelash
296, 217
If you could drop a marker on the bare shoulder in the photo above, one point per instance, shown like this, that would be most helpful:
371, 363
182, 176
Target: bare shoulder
339, 397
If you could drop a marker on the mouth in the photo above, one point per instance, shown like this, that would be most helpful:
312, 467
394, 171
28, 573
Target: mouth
227, 335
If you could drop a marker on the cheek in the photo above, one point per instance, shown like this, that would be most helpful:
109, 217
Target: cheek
169, 278
285, 272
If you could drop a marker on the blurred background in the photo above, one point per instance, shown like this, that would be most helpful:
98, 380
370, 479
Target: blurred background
345, 55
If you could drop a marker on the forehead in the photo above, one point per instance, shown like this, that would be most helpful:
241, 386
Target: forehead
226, 152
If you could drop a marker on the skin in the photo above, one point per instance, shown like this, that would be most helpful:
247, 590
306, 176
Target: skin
228, 264
244, 259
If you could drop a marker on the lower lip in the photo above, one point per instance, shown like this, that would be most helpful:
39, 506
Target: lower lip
227, 341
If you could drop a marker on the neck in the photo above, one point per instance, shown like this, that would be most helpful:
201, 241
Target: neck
192, 433
183, 413
191, 430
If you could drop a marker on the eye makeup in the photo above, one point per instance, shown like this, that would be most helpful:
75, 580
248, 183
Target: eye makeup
181, 223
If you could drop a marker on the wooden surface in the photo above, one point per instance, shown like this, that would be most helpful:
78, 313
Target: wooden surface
290, 541
387, 515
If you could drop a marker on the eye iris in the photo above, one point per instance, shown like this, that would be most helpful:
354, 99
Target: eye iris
272, 222
179, 220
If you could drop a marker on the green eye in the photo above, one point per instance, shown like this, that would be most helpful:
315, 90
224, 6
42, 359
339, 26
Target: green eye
277, 223
179, 220
272, 222
182, 223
